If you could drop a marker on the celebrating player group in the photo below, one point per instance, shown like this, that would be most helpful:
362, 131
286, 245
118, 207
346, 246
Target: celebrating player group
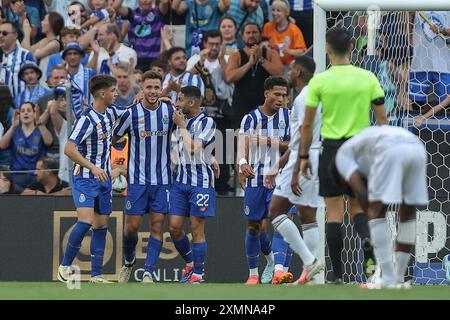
291, 160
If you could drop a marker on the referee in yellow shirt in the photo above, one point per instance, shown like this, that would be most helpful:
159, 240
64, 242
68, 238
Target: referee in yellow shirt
347, 93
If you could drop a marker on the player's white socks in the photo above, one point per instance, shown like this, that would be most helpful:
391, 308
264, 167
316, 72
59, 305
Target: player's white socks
382, 246
270, 258
291, 235
279, 267
401, 264
311, 236
254, 272
406, 235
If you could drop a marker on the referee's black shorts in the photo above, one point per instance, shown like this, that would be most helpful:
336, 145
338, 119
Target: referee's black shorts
329, 185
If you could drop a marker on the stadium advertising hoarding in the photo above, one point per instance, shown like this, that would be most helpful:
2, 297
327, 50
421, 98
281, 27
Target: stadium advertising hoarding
33, 236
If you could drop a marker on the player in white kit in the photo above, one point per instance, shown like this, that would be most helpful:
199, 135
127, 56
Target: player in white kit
300, 72
393, 161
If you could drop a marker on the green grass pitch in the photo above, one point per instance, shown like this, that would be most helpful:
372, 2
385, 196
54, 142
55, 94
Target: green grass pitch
209, 291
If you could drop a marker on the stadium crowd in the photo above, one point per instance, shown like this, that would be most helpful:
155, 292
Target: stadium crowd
227, 48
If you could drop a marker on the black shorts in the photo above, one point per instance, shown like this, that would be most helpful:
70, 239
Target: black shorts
329, 185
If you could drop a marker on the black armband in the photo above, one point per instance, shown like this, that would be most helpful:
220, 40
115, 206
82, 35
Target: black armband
304, 156
378, 101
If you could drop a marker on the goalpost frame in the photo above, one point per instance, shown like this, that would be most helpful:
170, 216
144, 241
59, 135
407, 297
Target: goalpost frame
319, 30
321, 6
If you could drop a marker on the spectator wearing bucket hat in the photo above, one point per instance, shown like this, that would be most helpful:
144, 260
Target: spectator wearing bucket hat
30, 74
79, 76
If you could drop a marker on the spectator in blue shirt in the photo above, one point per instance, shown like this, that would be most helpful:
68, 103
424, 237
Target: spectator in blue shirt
28, 143
6, 113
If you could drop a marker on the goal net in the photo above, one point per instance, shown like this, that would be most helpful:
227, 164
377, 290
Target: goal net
412, 63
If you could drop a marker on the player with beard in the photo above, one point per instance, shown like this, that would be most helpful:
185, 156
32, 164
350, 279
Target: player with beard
149, 125
178, 77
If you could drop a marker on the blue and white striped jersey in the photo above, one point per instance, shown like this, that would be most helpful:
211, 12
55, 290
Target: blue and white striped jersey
80, 89
185, 79
92, 133
260, 156
10, 67
196, 170
300, 5
149, 149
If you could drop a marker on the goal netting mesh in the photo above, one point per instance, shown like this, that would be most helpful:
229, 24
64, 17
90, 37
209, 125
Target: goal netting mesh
412, 63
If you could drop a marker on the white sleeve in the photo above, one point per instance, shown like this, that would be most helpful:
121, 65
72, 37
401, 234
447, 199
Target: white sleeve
192, 61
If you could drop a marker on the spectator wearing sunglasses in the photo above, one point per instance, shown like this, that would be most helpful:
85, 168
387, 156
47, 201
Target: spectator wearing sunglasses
13, 58
68, 8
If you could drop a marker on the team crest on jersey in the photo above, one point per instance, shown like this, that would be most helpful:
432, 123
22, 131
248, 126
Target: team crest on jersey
259, 126
247, 210
165, 119
99, 126
82, 198
128, 205
282, 124
141, 121
36, 140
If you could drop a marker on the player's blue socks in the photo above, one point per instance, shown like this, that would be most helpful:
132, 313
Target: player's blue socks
279, 248
252, 247
98, 243
266, 246
129, 248
74, 243
289, 254
154, 247
184, 249
199, 252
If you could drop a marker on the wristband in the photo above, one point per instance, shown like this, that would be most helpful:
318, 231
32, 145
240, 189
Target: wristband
242, 161
304, 157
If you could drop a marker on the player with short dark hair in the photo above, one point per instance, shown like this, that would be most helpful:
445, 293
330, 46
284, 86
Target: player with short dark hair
149, 125
301, 71
263, 136
89, 147
192, 194
346, 93
392, 162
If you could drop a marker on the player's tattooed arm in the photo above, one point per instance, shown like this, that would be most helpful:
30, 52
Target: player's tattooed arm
189, 144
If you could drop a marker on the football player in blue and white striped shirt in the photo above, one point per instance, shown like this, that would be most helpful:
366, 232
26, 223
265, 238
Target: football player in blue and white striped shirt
178, 77
149, 125
89, 147
192, 194
263, 136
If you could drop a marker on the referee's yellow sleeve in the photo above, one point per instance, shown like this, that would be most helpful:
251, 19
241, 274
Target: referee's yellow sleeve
377, 91
313, 94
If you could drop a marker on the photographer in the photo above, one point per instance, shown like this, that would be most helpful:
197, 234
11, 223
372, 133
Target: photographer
248, 69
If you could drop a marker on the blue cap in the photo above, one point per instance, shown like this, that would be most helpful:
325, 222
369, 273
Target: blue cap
59, 91
30, 65
72, 46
